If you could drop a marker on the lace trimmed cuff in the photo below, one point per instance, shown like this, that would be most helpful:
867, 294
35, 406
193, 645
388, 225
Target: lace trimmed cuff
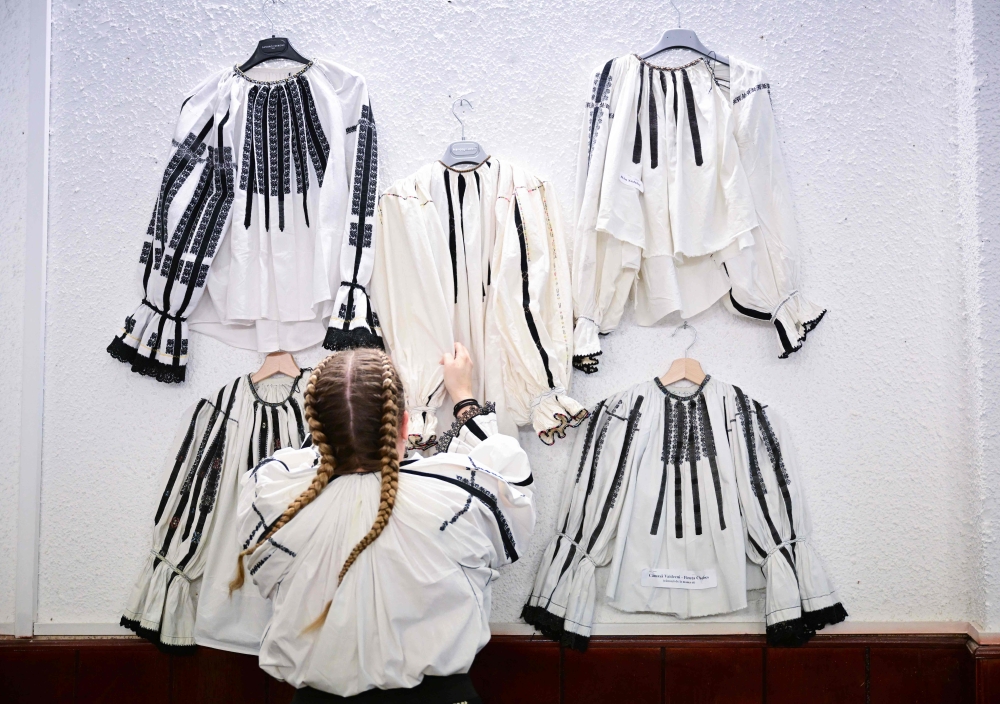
422, 433
586, 346
459, 431
553, 413
355, 324
793, 320
161, 608
154, 343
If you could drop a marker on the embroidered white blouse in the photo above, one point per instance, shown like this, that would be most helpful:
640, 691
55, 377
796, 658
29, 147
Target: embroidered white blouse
478, 257
416, 602
682, 198
671, 487
262, 228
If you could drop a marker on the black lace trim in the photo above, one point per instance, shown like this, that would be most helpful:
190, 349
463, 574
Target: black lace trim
445, 438
166, 373
338, 339
807, 327
799, 631
553, 628
154, 638
586, 363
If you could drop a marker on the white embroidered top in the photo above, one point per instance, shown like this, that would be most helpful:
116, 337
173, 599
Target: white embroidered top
267, 206
682, 198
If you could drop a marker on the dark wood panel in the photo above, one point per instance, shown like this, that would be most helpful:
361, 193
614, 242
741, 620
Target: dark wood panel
217, 677
714, 675
987, 669
279, 692
109, 674
817, 673
921, 675
37, 674
513, 669
613, 672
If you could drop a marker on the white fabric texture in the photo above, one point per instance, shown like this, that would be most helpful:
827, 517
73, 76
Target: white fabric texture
478, 257
416, 601
267, 205
181, 596
681, 198
690, 481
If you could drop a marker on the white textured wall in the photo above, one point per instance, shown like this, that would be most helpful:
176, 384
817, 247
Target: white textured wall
13, 123
880, 400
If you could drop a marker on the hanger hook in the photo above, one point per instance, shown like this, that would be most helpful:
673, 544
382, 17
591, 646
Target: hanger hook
263, 9
692, 328
460, 121
678, 11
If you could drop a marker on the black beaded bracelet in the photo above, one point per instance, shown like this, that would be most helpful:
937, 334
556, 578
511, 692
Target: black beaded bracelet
462, 405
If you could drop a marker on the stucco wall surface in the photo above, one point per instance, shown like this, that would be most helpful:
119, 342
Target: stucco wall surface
879, 400
13, 123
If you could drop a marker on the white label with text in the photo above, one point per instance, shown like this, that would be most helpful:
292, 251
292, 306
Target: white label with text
679, 579
633, 182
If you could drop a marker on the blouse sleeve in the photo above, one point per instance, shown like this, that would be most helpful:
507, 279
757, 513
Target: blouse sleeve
604, 265
763, 276
410, 245
564, 595
190, 218
533, 310
354, 322
800, 598
164, 600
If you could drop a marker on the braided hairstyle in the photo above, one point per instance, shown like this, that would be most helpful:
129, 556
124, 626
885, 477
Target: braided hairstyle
352, 404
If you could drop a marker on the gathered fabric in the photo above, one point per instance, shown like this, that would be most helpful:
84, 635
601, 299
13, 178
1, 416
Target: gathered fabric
682, 200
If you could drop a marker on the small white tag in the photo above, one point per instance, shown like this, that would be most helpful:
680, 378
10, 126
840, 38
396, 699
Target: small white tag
679, 579
633, 182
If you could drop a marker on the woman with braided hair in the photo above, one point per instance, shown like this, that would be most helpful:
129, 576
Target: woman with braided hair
378, 566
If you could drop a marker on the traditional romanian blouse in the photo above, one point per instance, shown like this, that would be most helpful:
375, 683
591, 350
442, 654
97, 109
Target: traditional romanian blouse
672, 487
181, 596
478, 257
682, 198
262, 228
416, 602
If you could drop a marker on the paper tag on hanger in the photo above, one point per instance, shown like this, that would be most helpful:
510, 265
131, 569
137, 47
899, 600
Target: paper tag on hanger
633, 182
679, 579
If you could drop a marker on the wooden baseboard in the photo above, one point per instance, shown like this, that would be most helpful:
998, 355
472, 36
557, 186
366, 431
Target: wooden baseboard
945, 668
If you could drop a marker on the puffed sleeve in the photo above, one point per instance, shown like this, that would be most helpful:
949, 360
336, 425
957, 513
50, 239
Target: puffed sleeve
564, 595
605, 261
190, 218
800, 597
410, 247
763, 278
533, 311
354, 322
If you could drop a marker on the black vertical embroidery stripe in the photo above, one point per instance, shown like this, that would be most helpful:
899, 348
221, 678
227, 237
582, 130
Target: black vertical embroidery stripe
452, 244
693, 461
275, 432
746, 423
295, 139
461, 222
319, 148
262, 435
588, 438
182, 454
608, 415
665, 459
193, 214
708, 445
282, 154
633, 420
299, 427
680, 432
692, 117
363, 200
778, 465
653, 130
598, 100
264, 159
247, 174
673, 80
526, 296
251, 460
637, 145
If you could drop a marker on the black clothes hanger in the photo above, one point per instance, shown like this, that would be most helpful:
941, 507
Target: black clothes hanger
683, 39
273, 48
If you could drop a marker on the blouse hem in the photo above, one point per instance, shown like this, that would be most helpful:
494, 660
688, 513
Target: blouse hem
338, 339
799, 631
153, 636
553, 628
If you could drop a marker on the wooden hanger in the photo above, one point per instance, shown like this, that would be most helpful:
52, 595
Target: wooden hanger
684, 368
276, 363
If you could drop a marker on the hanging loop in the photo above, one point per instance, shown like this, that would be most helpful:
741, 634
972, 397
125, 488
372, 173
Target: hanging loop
263, 10
692, 328
460, 121
678, 11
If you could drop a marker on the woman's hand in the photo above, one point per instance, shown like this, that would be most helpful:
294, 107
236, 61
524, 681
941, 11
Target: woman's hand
458, 373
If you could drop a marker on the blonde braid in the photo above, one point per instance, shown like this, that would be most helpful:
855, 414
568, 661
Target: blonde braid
327, 466
389, 461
